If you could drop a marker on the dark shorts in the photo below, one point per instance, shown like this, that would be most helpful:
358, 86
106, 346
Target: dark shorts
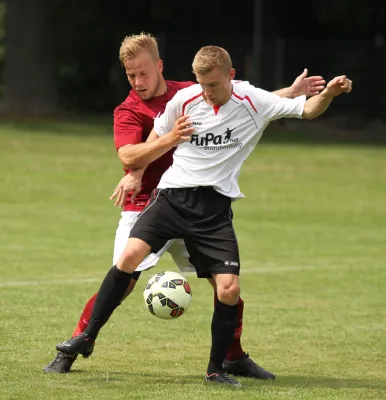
202, 217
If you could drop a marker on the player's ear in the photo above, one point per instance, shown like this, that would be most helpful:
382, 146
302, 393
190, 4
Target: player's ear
160, 65
232, 73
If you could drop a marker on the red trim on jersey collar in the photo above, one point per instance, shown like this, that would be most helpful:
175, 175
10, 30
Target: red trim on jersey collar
189, 101
216, 108
246, 98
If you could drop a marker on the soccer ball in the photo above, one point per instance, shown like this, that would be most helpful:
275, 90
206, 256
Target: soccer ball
167, 295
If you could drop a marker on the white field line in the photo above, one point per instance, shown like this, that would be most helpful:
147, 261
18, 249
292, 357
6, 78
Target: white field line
80, 281
49, 282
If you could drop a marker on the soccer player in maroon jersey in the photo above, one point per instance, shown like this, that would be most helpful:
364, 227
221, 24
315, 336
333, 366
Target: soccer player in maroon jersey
133, 122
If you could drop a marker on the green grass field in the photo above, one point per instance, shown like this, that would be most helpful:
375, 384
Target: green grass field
312, 232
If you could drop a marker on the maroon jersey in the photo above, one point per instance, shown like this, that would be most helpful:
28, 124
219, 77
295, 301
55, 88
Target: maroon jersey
133, 122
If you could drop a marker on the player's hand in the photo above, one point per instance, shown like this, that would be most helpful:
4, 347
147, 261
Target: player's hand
338, 85
307, 86
182, 130
131, 183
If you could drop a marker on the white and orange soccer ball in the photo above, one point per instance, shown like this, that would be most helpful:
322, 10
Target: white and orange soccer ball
167, 295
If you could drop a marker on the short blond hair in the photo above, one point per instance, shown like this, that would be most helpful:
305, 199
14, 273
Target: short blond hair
132, 45
210, 57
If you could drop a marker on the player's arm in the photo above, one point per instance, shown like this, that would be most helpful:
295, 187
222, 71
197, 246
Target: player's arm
171, 130
142, 154
137, 157
154, 148
150, 151
125, 132
317, 105
303, 86
272, 107
128, 138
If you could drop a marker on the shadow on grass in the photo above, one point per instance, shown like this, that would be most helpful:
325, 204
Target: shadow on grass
291, 381
115, 376
327, 382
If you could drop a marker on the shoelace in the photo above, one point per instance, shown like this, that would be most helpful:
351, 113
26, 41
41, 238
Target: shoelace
225, 377
229, 379
59, 357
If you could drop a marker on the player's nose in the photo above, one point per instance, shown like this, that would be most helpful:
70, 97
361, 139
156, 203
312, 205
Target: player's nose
138, 82
208, 92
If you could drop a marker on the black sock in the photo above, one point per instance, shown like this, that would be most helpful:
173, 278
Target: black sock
109, 297
224, 323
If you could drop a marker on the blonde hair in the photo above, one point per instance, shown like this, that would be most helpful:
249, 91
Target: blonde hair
132, 45
210, 57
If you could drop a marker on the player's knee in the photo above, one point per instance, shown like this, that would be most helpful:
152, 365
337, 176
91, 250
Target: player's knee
134, 253
128, 261
228, 293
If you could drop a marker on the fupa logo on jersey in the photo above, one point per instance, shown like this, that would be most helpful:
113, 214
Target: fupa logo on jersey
210, 141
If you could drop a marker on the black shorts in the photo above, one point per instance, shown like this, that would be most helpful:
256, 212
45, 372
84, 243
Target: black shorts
202, 217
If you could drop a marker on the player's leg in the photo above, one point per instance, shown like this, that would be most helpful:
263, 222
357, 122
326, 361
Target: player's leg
214, 252
150, 232
235, 351
86, 313
149, 262
109, 296
224, 322
62, 362
237, 361
181, 257
241, 365
121, 235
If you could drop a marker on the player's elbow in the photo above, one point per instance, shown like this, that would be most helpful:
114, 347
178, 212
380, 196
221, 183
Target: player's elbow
308, 115
133, 163
129, 163
128, 159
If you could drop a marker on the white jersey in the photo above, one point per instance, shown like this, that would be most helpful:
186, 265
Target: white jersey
223, 137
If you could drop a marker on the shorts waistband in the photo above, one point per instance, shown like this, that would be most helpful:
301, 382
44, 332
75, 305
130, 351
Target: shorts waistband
192, 189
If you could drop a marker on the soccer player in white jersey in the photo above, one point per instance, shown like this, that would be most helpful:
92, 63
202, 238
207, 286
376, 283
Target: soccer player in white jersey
215, 125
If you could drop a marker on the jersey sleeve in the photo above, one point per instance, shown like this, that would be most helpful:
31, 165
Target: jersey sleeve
127, 127
165, 122
272, 107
